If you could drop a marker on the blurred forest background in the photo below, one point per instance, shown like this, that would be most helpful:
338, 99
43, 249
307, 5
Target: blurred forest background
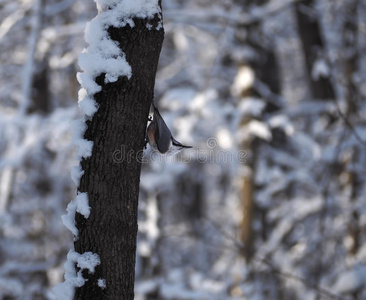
270, 203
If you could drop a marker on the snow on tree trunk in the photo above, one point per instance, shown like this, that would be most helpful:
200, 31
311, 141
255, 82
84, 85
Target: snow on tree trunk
119, 67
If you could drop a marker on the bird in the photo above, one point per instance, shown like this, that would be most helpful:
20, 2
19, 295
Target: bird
159, 136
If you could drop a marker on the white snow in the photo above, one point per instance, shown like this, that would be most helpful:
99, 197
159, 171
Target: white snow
69, 219
225, 138
349, 282
103, 55
196, 71
87, 105
87, 260
244, 79
251, 107
80, 205
88, 83
255, 128
283, 122
95, 63
101, 283
85, 147
76, 173
320, 69
78, 129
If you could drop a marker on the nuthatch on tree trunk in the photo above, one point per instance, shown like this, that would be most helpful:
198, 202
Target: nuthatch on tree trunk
159, 135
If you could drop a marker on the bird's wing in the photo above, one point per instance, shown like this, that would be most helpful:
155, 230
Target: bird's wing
163, 135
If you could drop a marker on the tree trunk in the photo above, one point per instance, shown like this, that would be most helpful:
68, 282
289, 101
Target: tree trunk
265, 69
313, 47
350, 36
112, 173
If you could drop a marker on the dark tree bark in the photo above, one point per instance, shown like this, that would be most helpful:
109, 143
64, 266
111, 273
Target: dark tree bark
350, 35
313, 47
353, 98
112, 173
41, 94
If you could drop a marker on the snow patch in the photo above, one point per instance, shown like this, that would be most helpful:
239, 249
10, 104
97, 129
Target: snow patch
73, 279
84, 147
101, 283
281, 121
244, 79
87, 105
103, 55
78, 129
88, 83
351, 281
320, 69
76, 173
224, 138
255, 128
251, 107
88, 260
80, 205
260, 130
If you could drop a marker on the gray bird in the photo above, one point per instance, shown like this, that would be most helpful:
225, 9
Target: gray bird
159, 135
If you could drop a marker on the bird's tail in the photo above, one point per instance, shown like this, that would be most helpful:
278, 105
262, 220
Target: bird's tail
178, 144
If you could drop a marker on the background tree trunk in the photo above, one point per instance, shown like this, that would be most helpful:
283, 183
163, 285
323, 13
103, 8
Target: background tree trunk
265, 71
112, 173
313, 47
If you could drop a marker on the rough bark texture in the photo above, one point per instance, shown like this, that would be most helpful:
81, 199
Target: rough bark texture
112, 173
